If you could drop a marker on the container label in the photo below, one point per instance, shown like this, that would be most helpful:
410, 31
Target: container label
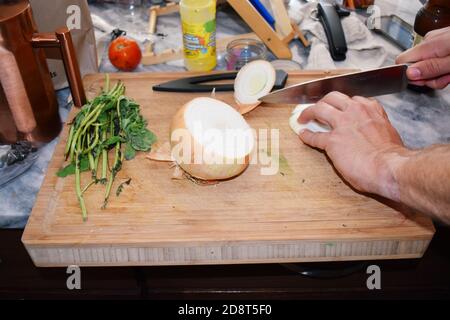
199, 40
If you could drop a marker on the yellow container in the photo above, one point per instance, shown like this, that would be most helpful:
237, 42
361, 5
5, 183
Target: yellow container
198, 19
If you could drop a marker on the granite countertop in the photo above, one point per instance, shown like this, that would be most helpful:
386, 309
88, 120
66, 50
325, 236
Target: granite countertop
422, 120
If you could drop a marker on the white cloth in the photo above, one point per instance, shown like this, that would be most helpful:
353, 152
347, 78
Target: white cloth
364, 50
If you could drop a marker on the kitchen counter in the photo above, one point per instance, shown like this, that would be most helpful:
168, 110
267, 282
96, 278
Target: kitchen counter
422, 120
18, 196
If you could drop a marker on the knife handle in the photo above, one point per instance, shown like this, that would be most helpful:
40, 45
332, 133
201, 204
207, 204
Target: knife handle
331, 21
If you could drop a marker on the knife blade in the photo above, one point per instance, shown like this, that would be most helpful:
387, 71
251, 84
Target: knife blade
370, 83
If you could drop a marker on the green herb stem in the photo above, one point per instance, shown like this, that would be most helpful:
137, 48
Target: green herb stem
109, 120
114, 171
78, 189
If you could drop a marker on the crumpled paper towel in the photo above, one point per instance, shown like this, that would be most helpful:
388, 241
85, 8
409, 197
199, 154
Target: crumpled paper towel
364, 50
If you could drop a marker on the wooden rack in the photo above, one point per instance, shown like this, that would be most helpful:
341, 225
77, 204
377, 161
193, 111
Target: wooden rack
277, 40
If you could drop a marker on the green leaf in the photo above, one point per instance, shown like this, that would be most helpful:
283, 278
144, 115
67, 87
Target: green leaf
111, 141
121, 186
130, 153
102, 118
70, 168
143, 141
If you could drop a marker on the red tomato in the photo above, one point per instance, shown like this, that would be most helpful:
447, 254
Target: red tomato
125, 54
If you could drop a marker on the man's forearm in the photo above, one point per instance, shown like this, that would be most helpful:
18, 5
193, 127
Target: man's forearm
423, 180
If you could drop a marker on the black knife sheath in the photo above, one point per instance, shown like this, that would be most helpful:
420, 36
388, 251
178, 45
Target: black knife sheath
194, 84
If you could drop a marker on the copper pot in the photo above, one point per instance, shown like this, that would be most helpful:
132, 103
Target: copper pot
28, 105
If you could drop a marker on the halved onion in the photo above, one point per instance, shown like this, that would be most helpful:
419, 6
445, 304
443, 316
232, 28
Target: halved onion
254, 80
313, 125
210, 140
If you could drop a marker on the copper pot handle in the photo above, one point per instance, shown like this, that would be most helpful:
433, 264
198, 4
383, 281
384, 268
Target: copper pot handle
62, 40
15, 92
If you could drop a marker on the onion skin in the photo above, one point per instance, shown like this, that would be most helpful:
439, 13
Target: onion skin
208, 172
246, 108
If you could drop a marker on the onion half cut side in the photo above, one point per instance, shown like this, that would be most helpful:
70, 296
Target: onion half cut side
253, 81
210, 140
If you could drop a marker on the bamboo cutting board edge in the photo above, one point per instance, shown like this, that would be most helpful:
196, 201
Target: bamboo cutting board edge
316, 252
54, 263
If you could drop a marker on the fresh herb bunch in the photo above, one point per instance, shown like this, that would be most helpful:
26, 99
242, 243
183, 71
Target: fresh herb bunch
109, 122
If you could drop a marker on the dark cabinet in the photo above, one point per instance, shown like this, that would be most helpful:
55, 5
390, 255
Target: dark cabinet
425, 278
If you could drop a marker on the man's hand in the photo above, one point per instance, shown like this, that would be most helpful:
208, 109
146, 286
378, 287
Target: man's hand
363, 145
431, 60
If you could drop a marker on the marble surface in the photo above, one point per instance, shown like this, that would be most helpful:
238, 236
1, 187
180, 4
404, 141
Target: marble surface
422, 120
18, 196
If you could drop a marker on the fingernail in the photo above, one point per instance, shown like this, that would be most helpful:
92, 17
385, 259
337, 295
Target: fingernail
414, 73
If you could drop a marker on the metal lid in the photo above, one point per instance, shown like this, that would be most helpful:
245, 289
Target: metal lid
286, 65
12, 8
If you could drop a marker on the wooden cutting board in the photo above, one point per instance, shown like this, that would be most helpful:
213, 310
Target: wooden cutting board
303, 213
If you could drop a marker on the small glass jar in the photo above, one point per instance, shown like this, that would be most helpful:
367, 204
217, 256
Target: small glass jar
242, 51
131, 7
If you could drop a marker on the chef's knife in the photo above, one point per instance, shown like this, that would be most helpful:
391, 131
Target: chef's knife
369, 83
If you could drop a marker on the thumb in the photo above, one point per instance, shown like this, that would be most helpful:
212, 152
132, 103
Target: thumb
429, 69
317, 140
